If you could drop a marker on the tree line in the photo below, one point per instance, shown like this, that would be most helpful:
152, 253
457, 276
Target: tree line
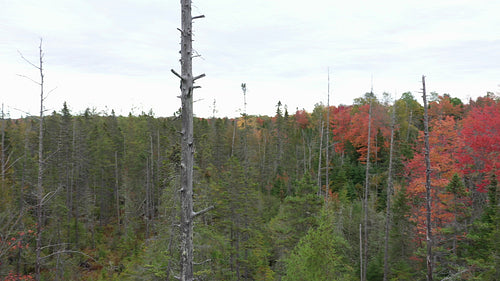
289, 199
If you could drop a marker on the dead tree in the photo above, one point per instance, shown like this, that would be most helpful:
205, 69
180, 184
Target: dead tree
389, 194
428, 198
319, 162
187, 142
39, 187
2, 152
365, 201
327, 183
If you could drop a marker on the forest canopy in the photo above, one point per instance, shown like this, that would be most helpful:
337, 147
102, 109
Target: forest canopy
111, 208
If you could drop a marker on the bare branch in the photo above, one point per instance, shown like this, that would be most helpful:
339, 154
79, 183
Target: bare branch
197, 55
7, 167
176, 74
47, 94
20, 110
199, 76
32, 80
26, 60
67, 252
10, 223
195, 214
50, 195
54, 245
452, 277
203, 262
198, 17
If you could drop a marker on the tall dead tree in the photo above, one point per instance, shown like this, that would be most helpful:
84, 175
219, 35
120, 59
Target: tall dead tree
389, 194
365, 200
319, 162
3, 151
187, 141
428, 198
327, 183
39, 187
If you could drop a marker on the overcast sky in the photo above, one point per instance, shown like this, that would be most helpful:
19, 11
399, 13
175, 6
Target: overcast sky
111, 54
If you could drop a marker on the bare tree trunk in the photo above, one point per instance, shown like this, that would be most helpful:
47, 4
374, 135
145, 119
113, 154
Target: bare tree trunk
327, 164
76, 171
304, 151
117, 192
365, 201
39, 189
389, 194
361, 252
428, 198
148, 199
187, 147
187, 143
410, 120
234, 136
319, 161
3, 163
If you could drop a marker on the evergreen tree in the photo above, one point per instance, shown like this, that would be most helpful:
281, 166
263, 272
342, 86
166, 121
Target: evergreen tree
322, 254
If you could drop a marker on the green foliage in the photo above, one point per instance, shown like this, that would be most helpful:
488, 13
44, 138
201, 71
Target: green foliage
295, 217
320, 255
483, 245
112, 186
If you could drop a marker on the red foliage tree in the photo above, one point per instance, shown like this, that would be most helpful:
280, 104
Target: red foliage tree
480, 154
357, 131
302, 118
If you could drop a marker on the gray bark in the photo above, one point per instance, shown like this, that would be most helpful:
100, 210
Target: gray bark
389, 194
365, 201
39, 188
319, 161
187, 143
2, 153
327, 164
428, 199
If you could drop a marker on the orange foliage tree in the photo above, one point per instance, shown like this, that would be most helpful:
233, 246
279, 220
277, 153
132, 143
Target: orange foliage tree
443, 148
446, 106
340, 123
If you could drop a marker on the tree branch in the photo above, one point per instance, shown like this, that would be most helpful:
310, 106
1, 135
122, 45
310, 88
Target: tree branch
195, 214
49, 195
32, 80
203, 262
26, 60
176, 74
69, 251
199, 76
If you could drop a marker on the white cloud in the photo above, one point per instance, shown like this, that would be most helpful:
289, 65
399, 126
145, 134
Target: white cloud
119, 53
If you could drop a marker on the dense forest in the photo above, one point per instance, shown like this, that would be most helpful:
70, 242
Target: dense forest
292, 193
